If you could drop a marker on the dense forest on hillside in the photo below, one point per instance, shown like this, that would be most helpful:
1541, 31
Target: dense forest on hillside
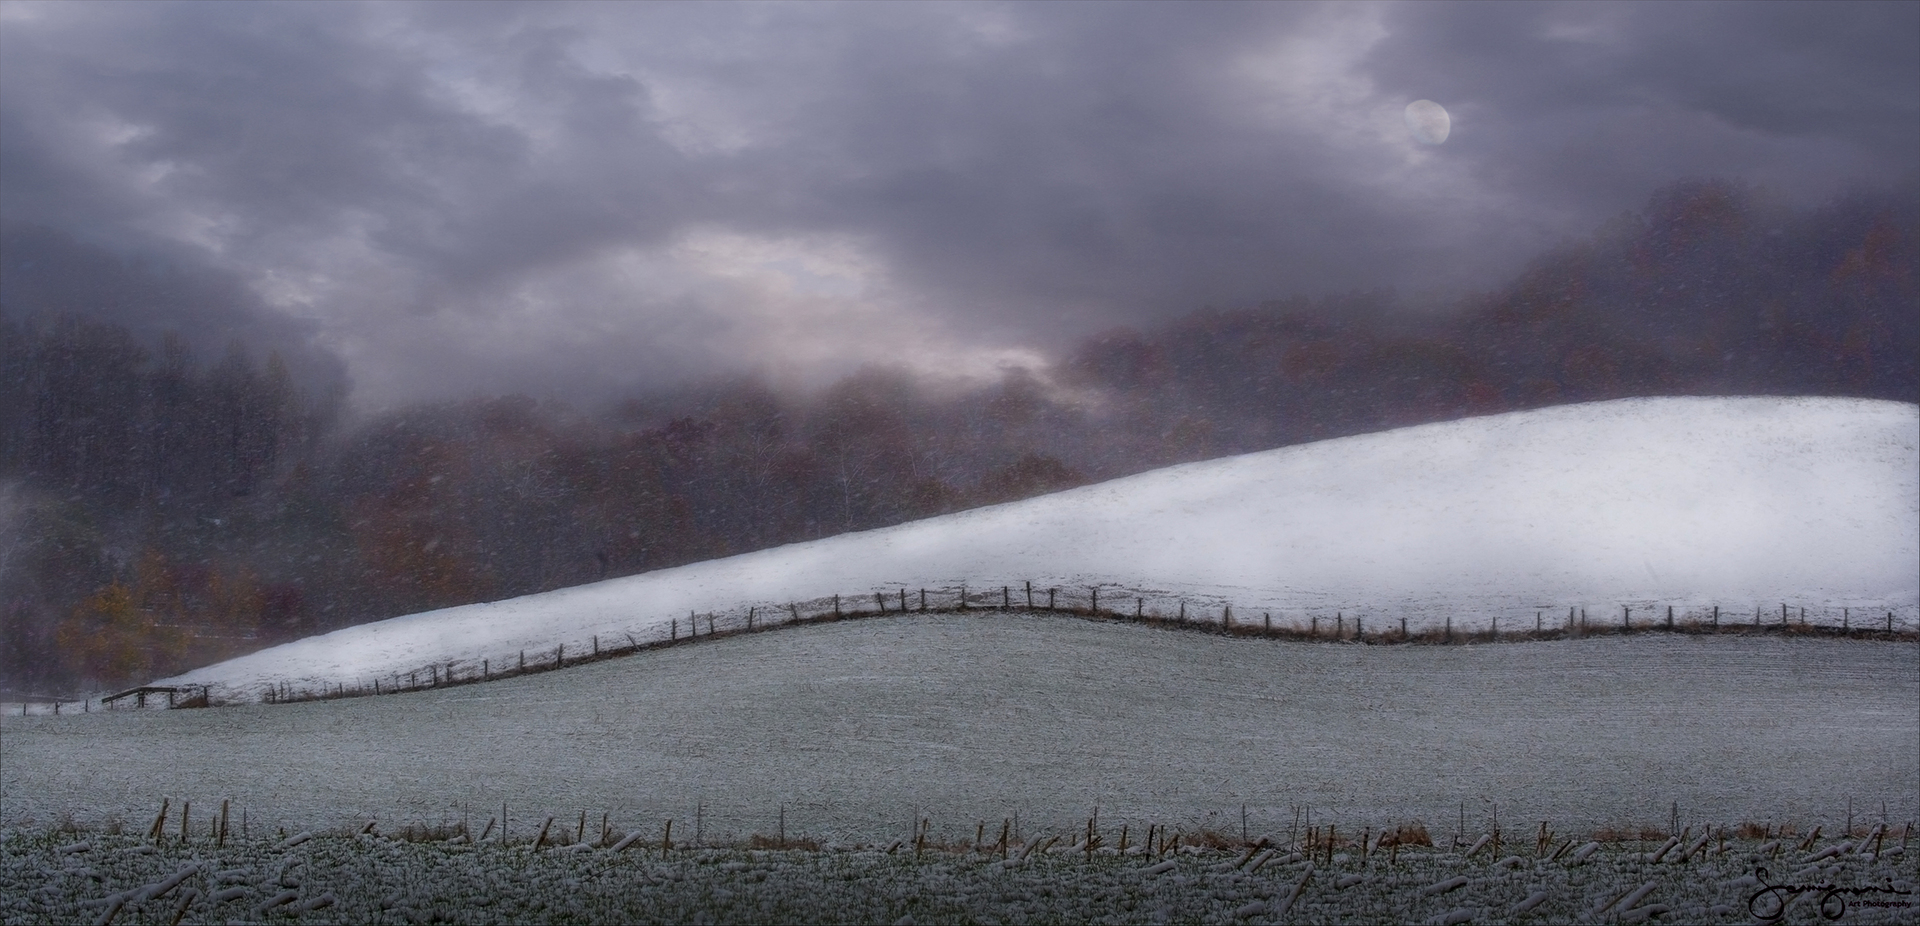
159, 509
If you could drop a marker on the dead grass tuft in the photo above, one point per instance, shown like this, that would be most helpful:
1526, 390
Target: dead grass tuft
1407, 834
1211, 839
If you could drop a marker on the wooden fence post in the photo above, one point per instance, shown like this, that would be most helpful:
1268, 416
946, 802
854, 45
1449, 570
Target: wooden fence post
1006, 598
923, 599
159, 823
836, 607
1095, 610
1050, 598
1029, 594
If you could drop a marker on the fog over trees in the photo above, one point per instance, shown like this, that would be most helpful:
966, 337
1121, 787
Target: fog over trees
163, 504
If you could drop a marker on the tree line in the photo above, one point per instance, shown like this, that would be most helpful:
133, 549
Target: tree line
158, 511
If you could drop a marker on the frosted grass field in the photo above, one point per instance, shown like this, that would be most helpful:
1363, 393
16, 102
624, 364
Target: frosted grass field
55, 877
857, 727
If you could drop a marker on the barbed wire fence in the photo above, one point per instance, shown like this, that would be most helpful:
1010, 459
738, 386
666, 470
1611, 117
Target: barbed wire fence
1103, 602
1106, 602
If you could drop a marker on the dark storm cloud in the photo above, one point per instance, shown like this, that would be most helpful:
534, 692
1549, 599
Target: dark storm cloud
44, 274
547, 196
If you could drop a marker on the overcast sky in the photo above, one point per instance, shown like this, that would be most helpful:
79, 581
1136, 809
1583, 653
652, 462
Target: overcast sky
559, 198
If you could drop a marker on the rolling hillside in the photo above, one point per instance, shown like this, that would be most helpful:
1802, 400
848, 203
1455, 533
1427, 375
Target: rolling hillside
1742, 503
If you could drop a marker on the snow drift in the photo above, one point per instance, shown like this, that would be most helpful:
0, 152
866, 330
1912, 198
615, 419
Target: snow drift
1744, 503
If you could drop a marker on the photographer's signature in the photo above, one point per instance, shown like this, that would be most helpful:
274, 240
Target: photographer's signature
1770, 901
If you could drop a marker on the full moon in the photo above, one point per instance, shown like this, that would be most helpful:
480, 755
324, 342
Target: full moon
1428, 122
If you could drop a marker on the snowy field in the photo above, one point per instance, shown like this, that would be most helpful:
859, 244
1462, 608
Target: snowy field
858, 728
1746, 504
367, 879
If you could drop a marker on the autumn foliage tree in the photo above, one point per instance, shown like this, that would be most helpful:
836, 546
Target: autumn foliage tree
114, 641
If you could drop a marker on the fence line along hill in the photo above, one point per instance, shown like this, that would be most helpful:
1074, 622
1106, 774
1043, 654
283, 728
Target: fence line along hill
1727, 510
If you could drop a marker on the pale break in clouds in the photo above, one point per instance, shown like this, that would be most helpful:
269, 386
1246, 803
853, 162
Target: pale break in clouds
571, 198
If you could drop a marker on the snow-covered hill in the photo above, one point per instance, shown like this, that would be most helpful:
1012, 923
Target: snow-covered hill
1743, 503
